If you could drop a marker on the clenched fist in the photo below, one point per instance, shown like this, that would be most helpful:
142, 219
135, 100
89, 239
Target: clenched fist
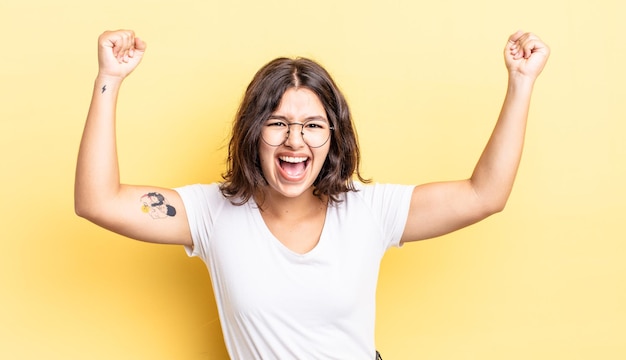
525, 54
119, 53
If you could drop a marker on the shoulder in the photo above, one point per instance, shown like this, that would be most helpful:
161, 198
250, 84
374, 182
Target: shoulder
202, 196
380, 192
198, 191
377, 197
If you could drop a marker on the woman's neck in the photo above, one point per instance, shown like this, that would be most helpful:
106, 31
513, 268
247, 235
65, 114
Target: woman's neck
281, 207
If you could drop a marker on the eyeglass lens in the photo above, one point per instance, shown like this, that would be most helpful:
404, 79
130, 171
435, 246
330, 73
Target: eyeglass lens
314, 133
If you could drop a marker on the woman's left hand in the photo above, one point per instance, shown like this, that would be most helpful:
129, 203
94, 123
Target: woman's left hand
525, 54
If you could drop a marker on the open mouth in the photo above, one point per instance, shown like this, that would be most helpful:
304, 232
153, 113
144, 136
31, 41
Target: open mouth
293, 165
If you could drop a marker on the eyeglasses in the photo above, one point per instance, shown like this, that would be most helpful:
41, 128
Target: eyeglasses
315, 133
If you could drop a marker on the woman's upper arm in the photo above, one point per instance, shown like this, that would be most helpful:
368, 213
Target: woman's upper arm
443, 207
145, 213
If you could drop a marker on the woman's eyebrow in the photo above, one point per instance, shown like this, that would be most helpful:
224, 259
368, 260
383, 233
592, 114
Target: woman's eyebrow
316, 117
277, 117
310, 118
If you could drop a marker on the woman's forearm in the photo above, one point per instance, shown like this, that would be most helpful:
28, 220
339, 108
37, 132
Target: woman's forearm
495, 172
97, 170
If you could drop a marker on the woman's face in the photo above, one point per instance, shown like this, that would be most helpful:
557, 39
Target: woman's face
291, 168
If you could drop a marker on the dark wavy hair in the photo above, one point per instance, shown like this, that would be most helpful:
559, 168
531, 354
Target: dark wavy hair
244, 177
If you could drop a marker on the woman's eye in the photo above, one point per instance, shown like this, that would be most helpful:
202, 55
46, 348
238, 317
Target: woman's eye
276, 123
314, 126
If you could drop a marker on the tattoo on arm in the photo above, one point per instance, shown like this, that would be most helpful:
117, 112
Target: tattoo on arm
157, 206
104, 88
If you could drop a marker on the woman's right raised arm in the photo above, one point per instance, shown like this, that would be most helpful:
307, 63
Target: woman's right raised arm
141, 212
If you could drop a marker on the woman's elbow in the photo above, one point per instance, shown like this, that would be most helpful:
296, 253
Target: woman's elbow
84, 208
80, 209
494, 206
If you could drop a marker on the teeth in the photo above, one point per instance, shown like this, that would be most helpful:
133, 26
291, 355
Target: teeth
293, 160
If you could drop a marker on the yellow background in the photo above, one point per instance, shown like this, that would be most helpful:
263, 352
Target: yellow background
545, 279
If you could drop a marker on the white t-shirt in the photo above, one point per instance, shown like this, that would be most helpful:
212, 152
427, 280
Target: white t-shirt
274, 303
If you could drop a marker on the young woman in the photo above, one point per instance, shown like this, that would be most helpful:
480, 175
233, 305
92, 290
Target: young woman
293, 245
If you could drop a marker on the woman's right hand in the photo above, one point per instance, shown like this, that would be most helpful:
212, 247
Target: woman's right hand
119, 53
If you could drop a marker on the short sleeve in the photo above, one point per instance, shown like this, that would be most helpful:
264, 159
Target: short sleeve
202, 204
390, 203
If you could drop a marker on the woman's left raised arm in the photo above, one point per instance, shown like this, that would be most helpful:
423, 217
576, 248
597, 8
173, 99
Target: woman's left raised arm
442, 207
